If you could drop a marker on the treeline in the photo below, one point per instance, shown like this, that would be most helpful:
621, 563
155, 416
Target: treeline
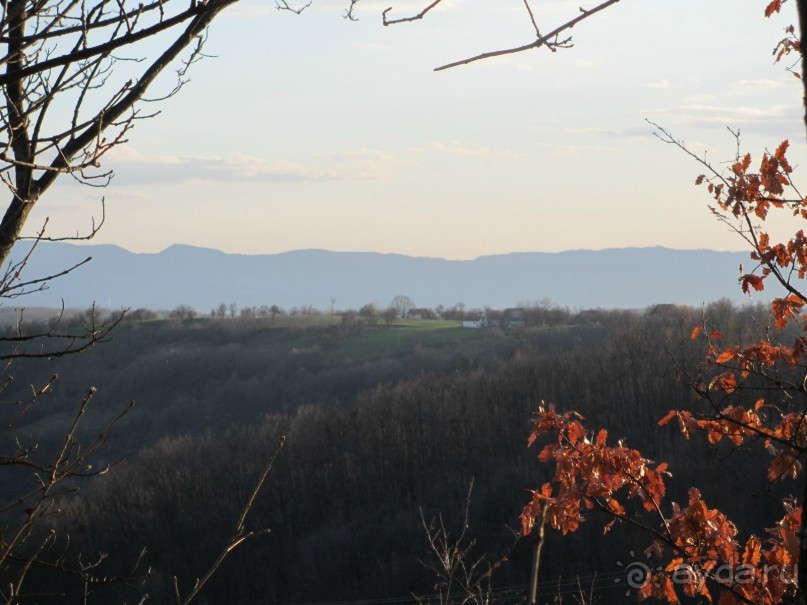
378, 424
401, 307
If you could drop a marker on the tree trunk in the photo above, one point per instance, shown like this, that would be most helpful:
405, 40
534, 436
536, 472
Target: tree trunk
802, 5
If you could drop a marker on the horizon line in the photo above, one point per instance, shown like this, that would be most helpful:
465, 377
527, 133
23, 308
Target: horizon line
401, 254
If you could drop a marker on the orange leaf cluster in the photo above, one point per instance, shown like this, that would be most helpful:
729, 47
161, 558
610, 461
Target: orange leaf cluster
660, 586
784, 441
792, 429
782, 255
790, 43
735, 424
702, 534
705, 541
786, 308
763, 354
588, 474
763, 572
749, 193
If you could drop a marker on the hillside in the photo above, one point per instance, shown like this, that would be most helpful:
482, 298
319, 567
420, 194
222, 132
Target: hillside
380, 420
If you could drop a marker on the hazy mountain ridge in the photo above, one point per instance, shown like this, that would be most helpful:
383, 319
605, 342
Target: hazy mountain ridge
204, 277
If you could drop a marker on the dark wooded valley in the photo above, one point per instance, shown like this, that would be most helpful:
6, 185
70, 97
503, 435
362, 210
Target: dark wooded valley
382, 419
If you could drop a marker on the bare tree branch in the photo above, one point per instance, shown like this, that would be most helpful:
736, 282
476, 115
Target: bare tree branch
551, 40
282, 5
420, 15
240, 533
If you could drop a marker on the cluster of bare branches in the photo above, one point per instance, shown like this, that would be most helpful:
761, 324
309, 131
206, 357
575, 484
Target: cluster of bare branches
28, 542
54, 340
25, 542
552, 40
462, 577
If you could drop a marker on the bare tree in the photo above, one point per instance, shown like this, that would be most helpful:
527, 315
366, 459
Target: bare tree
402, 305
89, 62
389, 315
183, 312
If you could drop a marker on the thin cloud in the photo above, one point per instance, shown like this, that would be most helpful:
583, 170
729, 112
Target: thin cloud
133, 167
663, 84
361, 163
571, 150
361, 153
460, 149
588, 64
717, 115
632, 133
737, 89
756, 85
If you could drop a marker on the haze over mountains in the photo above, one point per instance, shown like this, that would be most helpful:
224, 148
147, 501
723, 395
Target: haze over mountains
203, 278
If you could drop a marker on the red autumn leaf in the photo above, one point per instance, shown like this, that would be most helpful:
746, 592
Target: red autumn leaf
695, 331
575, 432
616, 507
754, 281
781, 150
724, 382
740, 168
753, 551
773, 7
725, 356
601, 437
783, 465
670, 415
546, 453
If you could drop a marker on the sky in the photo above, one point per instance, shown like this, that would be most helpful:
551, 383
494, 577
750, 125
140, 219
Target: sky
311, 131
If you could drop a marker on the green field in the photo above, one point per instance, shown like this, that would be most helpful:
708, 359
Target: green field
323, 335
401, 337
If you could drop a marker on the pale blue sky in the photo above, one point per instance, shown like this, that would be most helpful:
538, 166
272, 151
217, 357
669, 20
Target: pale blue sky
314, 132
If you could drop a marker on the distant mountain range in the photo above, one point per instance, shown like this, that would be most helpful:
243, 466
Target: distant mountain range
203, 278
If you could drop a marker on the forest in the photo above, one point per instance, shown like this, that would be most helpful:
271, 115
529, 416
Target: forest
382, 420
